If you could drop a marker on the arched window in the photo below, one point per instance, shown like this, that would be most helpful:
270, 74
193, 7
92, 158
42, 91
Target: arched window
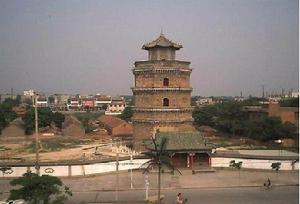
165, 102
166, 82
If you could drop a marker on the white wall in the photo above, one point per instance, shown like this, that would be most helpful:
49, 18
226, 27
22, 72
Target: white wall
253, 163
78, 170
96, 168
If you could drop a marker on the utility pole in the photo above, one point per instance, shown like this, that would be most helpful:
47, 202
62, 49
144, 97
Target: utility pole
146, 186
117, 171
263, 91
37, 162
131, 185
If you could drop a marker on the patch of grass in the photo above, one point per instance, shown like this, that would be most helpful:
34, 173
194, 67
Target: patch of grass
57, 144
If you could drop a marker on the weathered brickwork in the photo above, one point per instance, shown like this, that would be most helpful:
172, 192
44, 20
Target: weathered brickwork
177, 99
157, 79
163, 115
162, 91
143, 130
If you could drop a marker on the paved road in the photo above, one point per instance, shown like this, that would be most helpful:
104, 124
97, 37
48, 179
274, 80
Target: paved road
244, 195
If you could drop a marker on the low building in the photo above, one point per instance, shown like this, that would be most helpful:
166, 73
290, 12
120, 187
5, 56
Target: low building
60, 102
74, 103
72, 127
116, 106
42, 101
203, 101
116, 126
87, 103
286, 114
295, 94
3, 97
102, 101
186, 149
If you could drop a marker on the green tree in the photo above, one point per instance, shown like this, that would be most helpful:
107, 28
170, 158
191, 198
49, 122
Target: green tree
269, 128
204, 115
13, 102
58, 119
34, 188
290, 102
159, 158
45, 118
6, 113
288, 130
227, 117
127, 114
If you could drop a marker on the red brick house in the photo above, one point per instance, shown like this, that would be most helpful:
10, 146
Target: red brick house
115, 126
286, 114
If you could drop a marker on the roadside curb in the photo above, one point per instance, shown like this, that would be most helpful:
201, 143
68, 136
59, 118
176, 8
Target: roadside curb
186, 187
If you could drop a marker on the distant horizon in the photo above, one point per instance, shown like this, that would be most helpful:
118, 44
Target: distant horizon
87, 94
91, 46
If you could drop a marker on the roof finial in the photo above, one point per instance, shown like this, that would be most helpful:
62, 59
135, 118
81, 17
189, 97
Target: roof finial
161, 31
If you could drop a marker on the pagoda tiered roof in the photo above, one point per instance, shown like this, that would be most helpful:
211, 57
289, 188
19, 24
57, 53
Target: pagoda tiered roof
161, 41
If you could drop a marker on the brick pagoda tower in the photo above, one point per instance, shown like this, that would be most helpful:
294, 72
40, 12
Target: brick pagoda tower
162, 91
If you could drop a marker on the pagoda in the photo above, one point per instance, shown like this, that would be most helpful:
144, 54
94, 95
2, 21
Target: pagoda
161, 92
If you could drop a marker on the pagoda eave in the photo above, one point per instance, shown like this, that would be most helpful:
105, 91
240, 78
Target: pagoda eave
154, 89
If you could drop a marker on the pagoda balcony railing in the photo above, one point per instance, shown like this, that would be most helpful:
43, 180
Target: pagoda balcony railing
145, 109
161, 63
161, 88
162, 70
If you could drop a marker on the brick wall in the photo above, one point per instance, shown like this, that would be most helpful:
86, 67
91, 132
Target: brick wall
156, 80
123, 129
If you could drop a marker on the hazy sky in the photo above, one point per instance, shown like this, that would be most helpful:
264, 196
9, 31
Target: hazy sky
70, 46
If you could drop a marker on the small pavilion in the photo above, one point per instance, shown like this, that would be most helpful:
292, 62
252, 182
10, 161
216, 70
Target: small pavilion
187, 149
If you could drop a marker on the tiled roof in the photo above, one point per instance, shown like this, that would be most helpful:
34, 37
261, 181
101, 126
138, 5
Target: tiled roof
87, 99
117, 98
177, 141
69, 120
102, 98
111, 121
161, 41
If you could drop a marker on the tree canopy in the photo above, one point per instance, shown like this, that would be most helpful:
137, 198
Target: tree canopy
34, 188
45, 118
229, 117
290, 102
6, 111
127, 114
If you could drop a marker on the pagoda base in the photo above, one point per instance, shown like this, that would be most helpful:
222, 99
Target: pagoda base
145, 130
